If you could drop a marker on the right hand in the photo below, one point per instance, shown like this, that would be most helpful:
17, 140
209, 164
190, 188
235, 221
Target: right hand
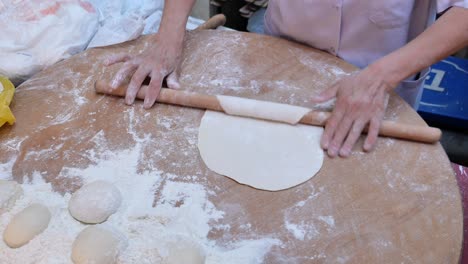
161, 60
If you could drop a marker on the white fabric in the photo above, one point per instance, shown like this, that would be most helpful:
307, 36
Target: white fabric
38, 33
35, 34
122, 20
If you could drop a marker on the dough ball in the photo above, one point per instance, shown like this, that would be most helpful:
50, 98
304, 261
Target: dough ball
186, 252
97, 245
95, 202
10, 191
27, 224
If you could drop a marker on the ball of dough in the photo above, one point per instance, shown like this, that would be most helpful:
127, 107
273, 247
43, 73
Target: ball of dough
97, 245
10, 191
95, 202
186, 252
27, 224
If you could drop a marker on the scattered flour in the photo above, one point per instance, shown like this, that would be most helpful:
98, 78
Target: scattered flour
297, 232
302, 230
328, 219
310, 197
180, 210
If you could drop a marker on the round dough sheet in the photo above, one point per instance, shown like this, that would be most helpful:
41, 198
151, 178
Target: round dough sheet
262, 154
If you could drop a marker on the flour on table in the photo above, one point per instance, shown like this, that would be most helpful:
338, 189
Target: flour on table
182, 210
10, 191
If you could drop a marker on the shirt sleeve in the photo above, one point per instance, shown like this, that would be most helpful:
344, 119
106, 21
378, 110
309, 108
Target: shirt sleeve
442, 5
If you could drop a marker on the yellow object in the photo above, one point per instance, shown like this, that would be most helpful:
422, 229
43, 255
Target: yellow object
7, 89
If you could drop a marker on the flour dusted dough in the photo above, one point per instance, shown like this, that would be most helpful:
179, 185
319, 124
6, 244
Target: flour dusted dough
27, 224
10, 191
98, 244
262, 110
263, 154
186, 252
95, 202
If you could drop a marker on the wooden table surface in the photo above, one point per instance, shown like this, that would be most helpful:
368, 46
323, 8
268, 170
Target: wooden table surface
398, 204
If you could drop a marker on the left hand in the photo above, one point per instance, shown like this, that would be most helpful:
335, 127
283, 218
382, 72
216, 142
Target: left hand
361, 100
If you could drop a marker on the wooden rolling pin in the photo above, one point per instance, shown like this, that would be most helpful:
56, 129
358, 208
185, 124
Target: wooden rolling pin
213, 22
316, 118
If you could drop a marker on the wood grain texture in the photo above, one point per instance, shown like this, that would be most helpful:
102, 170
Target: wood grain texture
317, 118
398, 204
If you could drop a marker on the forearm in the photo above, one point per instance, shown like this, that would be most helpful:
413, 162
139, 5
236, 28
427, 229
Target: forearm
447, 35
174, 19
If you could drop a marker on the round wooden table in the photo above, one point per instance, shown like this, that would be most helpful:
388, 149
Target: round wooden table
397, 204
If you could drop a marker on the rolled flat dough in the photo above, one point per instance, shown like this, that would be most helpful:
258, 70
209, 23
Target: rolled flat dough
262, 110
262, 154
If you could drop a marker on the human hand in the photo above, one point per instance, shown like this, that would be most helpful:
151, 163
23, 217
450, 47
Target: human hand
361, 100
161, 60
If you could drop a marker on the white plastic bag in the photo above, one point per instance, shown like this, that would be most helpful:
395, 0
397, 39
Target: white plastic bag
38, 33
122, 20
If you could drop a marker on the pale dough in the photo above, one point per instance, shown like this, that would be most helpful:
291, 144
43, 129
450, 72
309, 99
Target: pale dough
262, 154
10, 191
95, 202
98, 245
262, 110
185, 252
27, 224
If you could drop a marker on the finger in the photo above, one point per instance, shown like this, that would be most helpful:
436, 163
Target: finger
331, 125
153, 90
372, 134
173, 80
127, 69
326, 95
352, 138
135, 85
116, 59
339, 136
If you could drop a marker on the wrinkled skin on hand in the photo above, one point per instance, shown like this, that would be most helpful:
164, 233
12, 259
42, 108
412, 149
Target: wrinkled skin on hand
160, 61
361, 100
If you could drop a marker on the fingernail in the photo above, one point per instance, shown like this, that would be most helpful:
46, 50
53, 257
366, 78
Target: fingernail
146, 103
344, 152
128, 101
367, 146
324, 144
332, 152
114, 84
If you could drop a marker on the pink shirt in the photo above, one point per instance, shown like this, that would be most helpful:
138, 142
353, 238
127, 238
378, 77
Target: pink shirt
358, 31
